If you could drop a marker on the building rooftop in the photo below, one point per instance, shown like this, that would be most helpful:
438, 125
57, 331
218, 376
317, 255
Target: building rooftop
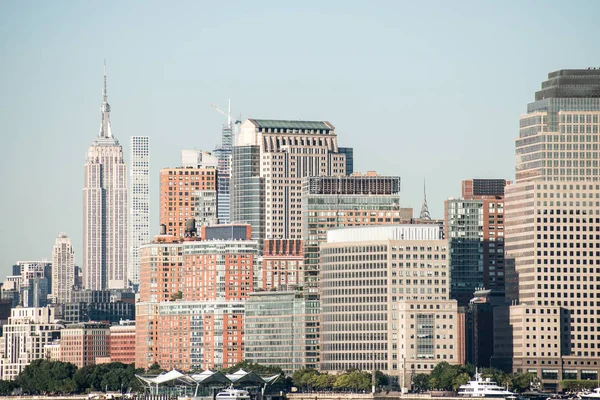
569, 83
288, 124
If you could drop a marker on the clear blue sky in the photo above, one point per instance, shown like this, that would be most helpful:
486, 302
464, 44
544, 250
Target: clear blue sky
421, 89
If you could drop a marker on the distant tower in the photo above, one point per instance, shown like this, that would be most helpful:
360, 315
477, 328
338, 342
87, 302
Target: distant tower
63, 269
425, 209
105, 209
223, 153
139, 204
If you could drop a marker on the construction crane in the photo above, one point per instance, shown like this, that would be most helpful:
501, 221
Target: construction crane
225, 113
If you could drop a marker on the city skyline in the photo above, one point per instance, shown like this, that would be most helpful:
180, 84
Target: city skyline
161, 98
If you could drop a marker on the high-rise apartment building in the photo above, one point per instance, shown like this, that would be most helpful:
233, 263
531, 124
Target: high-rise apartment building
286, 152
63, 269
24, 337
192, 295
180, 189
385, 301
474, 227
139, 204
105, 209
552, 215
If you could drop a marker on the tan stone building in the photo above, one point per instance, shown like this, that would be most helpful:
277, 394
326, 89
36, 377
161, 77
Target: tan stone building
385, 301
552, 217
287, 152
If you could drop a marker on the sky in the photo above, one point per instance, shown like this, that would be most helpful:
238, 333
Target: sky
427, 90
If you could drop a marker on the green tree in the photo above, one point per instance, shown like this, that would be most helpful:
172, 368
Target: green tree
262, 370
420, 383
305, 378
459, 380
353, 380
573, 385
47, 377
522, 382
324, 381
6, 388
381, 378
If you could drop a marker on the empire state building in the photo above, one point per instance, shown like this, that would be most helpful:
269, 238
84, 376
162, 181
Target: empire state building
105, 209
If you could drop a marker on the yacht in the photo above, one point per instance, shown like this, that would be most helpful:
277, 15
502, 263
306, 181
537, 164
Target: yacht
594, 394
233, 394
484, 388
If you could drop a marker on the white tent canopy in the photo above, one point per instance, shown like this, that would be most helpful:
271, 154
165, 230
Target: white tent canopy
205, 378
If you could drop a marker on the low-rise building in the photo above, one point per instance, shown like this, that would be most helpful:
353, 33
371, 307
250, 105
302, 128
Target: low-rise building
122, 342
273, 329
81, 343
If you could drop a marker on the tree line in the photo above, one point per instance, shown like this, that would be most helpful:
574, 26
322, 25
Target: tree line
449, 377
354, 380
43, 377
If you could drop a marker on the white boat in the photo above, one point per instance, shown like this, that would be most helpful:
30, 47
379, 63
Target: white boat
233, 394
594, 394
484, 388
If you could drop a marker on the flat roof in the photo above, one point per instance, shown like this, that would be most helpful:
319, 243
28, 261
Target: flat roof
289, 124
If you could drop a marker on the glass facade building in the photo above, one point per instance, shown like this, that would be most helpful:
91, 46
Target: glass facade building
247, 190
274, 330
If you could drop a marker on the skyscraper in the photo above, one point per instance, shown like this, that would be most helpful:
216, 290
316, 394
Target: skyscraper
139, 204
223, 153
105, 209
286, 152
247, 189
474, 227
63, 269
552, 222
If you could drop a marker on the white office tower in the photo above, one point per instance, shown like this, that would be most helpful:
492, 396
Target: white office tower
139, 205
63, 269
105, 210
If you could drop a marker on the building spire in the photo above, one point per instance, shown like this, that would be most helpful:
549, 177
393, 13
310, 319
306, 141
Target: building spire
105, 130
424, 208
104, 95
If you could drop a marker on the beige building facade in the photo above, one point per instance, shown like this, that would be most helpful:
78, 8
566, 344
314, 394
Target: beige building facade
385, 301
289, 152
551, 229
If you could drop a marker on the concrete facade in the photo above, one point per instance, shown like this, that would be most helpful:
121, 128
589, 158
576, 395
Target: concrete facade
139, 204
552, 219
385, 301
